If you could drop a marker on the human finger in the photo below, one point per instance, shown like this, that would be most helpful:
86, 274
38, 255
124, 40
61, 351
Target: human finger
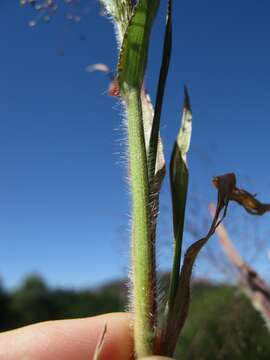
70, 339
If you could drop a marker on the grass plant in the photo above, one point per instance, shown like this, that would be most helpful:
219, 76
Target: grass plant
157, 333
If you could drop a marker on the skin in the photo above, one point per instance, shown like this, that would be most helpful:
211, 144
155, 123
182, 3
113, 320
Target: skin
71, 340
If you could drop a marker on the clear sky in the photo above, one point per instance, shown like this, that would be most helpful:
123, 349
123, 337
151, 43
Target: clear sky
64, 202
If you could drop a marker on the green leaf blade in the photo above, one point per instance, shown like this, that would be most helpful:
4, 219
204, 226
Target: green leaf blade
166, 57
179, 187
134, 51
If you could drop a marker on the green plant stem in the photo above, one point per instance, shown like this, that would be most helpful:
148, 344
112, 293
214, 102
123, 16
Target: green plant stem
143, 254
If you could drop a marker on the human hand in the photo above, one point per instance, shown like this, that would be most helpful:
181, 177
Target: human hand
70, 340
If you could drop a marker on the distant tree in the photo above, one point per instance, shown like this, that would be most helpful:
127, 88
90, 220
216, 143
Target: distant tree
34, 301
31, 302
7, 317
223, 325
246, 277
71, 303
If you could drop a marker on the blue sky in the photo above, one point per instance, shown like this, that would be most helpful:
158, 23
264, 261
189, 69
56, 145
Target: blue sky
64, 201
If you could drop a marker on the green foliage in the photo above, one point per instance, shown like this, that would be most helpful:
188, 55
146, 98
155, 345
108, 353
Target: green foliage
153, 152
222, 325
179, 188
133, 20
134, 49
33, 301
7, 316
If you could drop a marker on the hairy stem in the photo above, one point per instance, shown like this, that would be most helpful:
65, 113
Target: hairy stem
143, 255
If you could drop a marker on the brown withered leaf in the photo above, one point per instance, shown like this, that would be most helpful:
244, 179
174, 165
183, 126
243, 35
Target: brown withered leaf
225, 185
249, 202
227, 191
242, 197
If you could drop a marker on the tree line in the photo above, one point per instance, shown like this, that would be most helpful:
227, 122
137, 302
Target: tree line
222, 322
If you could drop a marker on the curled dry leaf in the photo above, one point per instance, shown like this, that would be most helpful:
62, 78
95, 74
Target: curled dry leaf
225, 186
242, 197
227, 191
225, 242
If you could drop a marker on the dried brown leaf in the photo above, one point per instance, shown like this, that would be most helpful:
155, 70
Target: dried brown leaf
225, 185
242, 197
